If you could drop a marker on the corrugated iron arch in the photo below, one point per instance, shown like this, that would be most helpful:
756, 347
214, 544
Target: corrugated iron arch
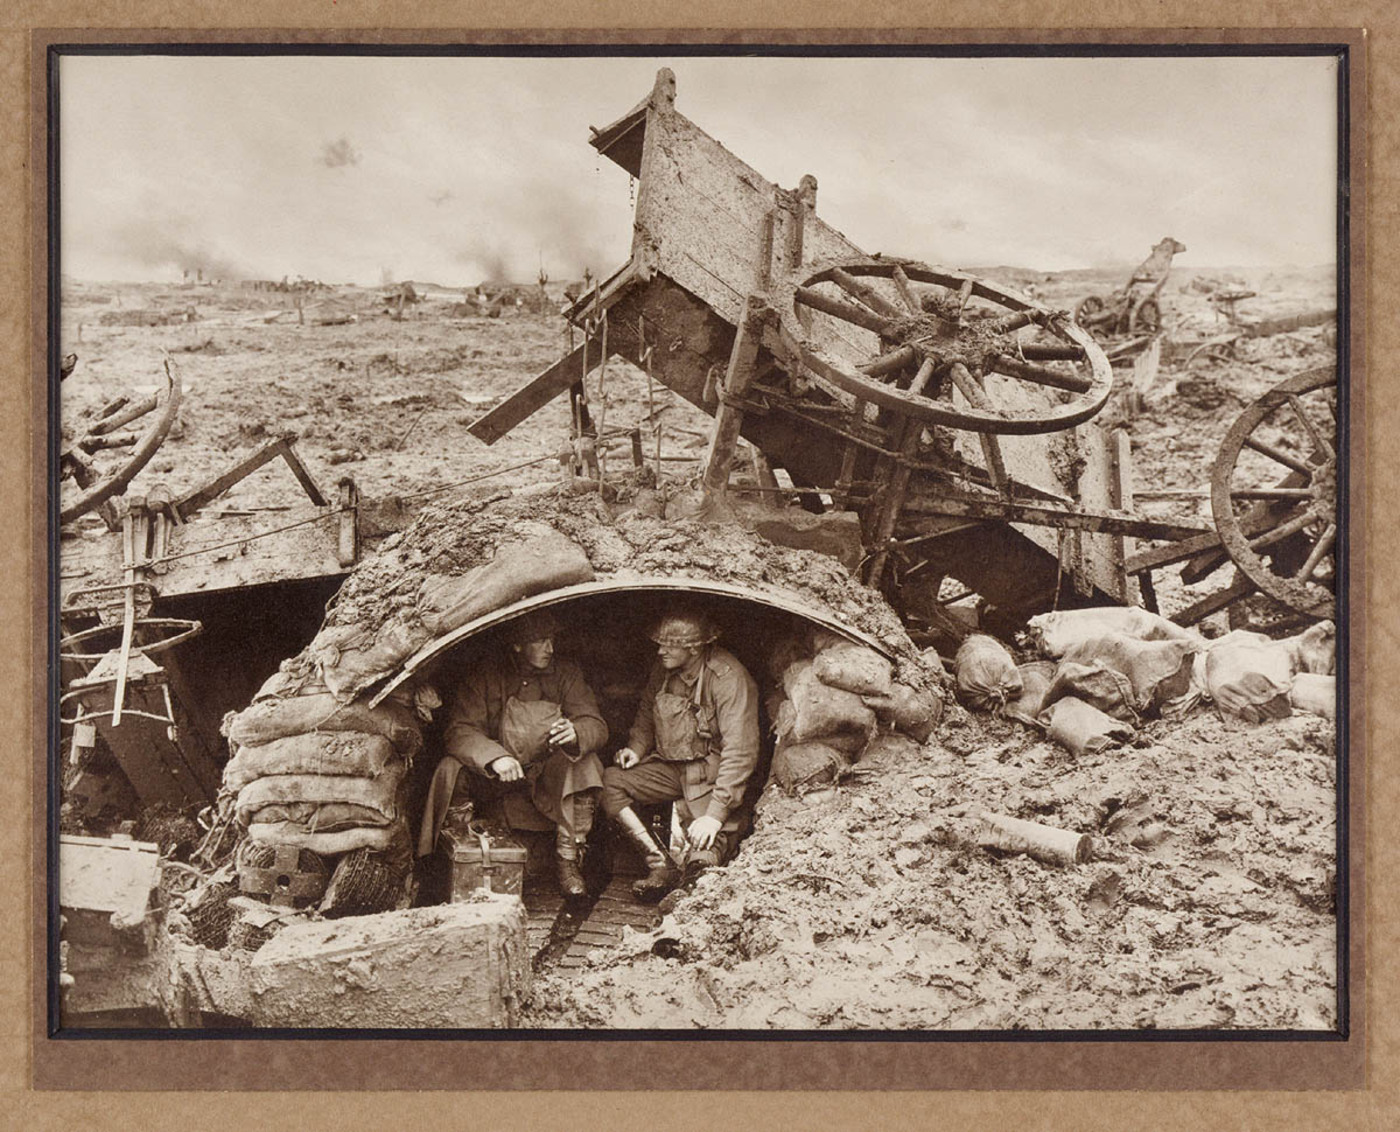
643, 583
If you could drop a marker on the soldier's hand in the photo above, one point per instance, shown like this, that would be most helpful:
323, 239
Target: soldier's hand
702, 832
627, 758
562, 733
508, 769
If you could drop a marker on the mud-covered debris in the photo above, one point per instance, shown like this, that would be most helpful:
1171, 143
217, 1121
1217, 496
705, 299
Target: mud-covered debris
1043, 842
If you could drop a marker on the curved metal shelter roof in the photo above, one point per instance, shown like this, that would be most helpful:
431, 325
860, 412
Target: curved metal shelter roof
642, 583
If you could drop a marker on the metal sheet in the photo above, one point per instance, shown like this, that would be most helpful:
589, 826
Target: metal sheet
646, 583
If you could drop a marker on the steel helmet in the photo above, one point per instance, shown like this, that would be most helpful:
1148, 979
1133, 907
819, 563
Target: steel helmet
533, 626
688, 630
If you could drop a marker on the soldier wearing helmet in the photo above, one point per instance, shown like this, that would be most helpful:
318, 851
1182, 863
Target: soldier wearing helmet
694, 742
527, 728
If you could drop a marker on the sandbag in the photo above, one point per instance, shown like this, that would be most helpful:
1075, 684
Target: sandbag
1315, 649
822, 712
787, 650
1081, 728
854, 668
986, 672
1315, 694
519, 570
349, 659
267, 720
908, 710
889, 749
379, 838
1054, 634
1249, 675
352, 753
800, 766
376, 793
1036, 678
1096, 684
1159, 671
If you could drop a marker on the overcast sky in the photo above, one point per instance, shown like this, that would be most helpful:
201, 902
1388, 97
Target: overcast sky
455, 170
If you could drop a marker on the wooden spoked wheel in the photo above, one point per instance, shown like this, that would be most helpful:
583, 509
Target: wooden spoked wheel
1089, 311
925, 343
94, 486
1146, 318
1214, 351
1274, 492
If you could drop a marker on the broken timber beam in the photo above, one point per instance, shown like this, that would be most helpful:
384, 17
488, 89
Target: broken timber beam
562, 375
1102, 522
898, 481
182, 509
1214, 603
729, 417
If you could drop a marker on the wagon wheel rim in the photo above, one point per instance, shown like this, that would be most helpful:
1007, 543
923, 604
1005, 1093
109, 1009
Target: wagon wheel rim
919, 331
177, 630
1145, 322
1292, 434
1087, 308
1216, 351
161, 416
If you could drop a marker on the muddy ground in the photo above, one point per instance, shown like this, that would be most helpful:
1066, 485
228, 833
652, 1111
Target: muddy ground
1210, 898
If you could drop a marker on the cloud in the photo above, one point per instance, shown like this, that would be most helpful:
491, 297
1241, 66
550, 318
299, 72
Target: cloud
338, 154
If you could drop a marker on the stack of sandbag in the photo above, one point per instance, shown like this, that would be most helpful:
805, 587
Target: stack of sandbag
349, 658
1109, 667
311, 772
1134, 677
1257, 678
1054, 634
831, 703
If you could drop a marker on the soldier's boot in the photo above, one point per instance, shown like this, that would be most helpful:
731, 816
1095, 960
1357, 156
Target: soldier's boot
568, 851
661, 877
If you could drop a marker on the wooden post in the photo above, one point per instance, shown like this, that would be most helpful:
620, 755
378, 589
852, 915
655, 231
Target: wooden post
842, 497
729, 417
898, 472
348, 541
763, 472
806, 194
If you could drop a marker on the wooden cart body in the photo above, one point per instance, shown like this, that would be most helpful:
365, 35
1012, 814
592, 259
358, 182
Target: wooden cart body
710, 231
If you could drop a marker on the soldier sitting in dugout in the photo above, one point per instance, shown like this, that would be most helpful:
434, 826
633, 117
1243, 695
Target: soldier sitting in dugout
526, 727
694, 742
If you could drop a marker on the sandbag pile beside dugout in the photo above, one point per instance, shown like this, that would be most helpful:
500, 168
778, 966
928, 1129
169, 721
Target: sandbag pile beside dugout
311, 772
831, 697
1109, 668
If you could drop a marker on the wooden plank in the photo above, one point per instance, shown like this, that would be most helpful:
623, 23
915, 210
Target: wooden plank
185, 508
1160, 556
538, 392
1214, 603
729, 418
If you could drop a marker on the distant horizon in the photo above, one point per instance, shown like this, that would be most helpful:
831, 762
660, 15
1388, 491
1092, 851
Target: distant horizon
1125, 265
361, 168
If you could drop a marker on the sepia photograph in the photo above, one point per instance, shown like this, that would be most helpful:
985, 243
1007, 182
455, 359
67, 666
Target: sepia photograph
800, 543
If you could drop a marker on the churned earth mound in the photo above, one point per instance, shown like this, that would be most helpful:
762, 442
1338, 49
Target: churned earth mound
1208, 901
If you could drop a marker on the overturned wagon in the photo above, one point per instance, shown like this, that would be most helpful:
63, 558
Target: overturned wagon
953, 415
